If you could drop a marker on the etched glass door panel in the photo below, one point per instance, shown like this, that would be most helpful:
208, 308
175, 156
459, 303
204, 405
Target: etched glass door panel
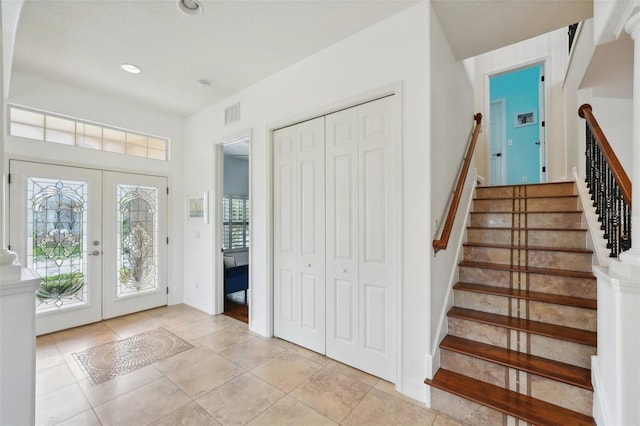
137, 239
56, 231
135, 253
56, 241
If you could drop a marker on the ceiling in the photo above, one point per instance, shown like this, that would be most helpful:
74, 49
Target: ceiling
232, 45
479, 26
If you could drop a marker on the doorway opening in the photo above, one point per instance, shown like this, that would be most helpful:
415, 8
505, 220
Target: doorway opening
235, 215
517, 153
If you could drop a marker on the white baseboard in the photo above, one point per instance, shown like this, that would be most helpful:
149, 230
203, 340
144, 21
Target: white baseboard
599, 404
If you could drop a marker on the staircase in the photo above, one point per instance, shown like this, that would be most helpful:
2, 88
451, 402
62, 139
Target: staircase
522, 328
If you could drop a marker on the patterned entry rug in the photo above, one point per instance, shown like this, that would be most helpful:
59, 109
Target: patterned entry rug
104, 362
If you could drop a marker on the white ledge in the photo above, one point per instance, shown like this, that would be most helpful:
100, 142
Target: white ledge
617, 283
28, 282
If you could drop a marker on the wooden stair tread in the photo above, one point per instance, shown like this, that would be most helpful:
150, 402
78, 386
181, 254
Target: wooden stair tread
529, 212
578, 302
514, 404
527, 197
511, 228
528, 185
528, 269
569, 334
555, 370
527, 247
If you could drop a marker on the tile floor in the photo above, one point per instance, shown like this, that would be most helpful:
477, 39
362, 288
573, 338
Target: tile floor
230, 377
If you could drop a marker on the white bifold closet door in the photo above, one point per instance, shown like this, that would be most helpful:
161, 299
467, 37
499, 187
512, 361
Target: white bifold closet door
299, 264
361, 238
352, 216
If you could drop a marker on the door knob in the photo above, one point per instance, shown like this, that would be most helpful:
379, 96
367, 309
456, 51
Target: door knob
95, 253
499, 154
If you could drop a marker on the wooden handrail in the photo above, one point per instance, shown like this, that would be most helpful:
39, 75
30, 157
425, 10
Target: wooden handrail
441, 244
617, 170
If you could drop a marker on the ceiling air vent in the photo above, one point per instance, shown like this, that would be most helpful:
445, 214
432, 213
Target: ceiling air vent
232, 114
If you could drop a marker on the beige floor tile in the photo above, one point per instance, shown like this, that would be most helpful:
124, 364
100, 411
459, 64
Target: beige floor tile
354, 373
252, 353
190, 414
380, 408
47, 353
332, 394
78, 342
203, 376
240, 400
442, 420
60, 405
143, 405
130, 325
390, 388
178, 315
53, 378
87, 418
286, 371
291, 412
111, 389
313, 356
184, 359
222, 340
202, 328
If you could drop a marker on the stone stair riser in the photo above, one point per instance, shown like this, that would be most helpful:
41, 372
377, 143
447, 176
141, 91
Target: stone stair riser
568, 316
554, 284
567, 396
546, 204
526, 190
556, 220
533, 258
541, 238
467, 412
546, 347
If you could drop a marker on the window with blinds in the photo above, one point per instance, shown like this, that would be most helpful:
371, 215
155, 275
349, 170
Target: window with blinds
43, 126
235, 221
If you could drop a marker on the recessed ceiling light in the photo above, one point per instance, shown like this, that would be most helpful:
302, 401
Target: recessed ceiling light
133, 69
190, 7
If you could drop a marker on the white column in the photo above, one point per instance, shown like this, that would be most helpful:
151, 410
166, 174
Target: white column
632, 256
18, 349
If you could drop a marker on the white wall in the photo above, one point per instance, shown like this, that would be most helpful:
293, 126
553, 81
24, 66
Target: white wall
551, 47
378, 59
236, 176
451, 126
39, 93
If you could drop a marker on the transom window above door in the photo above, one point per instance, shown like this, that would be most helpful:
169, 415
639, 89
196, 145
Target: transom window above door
39, 125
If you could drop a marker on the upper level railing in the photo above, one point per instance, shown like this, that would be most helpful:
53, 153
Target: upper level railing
441, 244
609, 186
573, 29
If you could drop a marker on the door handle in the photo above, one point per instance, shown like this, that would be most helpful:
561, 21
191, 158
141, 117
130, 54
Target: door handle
498, 154
538, 143
95, 253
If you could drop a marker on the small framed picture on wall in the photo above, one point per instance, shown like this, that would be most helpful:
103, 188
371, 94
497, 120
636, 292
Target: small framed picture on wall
197, 205
526, 118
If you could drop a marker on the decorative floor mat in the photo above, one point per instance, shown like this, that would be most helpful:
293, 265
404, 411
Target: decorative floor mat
104, 362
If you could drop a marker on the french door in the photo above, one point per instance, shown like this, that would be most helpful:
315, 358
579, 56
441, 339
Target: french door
97, 239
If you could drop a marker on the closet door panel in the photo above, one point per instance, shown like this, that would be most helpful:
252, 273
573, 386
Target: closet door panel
299, 264
342, 236
377, 244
